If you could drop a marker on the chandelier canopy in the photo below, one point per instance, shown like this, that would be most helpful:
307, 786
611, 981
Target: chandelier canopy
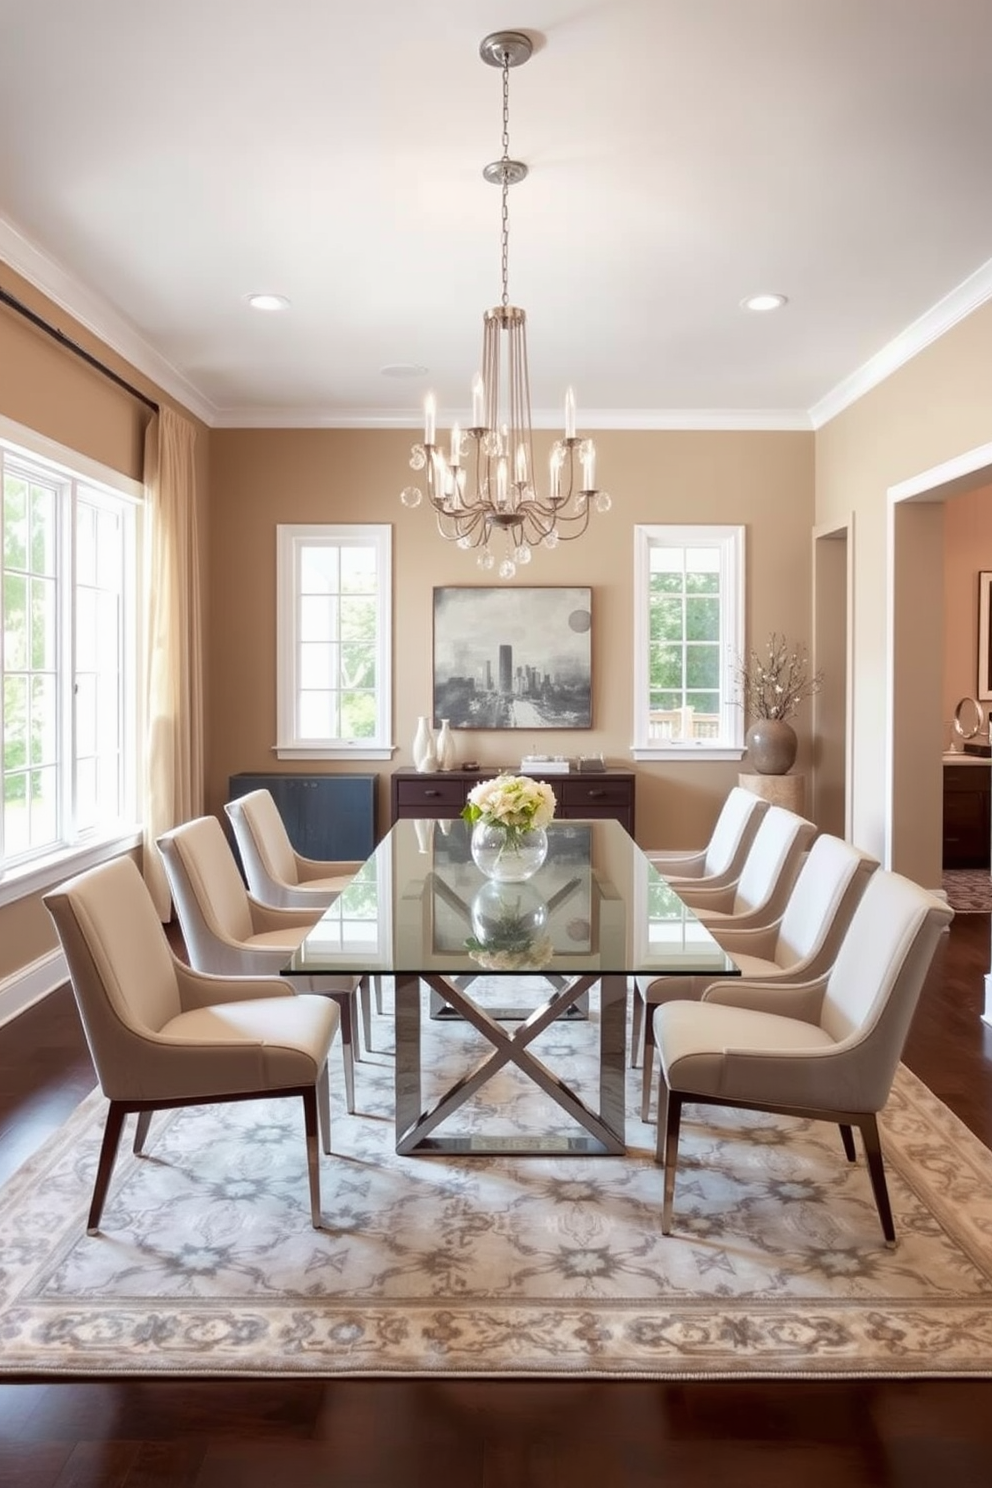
486, 485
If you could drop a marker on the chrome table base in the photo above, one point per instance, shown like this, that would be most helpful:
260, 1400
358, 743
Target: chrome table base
603, 1131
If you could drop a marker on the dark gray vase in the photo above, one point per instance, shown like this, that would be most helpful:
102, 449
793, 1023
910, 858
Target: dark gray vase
771, 746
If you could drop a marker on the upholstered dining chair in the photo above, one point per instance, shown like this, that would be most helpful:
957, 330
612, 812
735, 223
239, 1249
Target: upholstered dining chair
163, 1035
770, 870
800, 945
720, 862
281, 878
226, 930
825, 1050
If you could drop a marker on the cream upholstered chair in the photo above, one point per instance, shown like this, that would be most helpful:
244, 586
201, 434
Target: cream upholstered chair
163, 1035
229, 933
280, 877
800, 945
825, 1049
720, 862
277, 874
770, 870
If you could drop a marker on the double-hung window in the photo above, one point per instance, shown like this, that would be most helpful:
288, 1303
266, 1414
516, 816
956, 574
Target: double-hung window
334, 588
68, 654
688, 635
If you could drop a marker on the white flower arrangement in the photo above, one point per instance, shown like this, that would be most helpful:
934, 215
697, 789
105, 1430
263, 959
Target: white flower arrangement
515, 802
774, 684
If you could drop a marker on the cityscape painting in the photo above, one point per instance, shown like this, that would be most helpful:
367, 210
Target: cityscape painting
513, 658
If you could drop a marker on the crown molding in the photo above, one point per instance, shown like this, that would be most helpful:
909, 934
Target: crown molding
931, 325
762, 419
93, 312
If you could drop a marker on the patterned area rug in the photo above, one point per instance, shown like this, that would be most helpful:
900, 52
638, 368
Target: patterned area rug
500, 1266
968, 890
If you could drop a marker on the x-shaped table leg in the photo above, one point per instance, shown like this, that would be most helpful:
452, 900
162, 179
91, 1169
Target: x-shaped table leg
604, 1129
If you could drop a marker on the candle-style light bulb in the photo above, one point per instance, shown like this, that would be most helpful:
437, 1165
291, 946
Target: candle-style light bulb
501, 481
569, 414
521, 465
430, 416
478, 402
456, 446
589, 468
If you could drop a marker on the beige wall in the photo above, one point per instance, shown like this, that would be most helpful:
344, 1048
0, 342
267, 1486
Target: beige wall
46, 388
261, 478
937, 407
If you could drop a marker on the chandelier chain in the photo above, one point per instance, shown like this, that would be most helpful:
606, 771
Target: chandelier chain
505, 215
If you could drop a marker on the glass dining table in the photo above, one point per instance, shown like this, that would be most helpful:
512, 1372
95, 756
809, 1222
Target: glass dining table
593, 916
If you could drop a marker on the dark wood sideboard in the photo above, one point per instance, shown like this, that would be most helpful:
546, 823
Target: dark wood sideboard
443, 793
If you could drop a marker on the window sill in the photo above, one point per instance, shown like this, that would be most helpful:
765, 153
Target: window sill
336, 752
698, 752
44, 873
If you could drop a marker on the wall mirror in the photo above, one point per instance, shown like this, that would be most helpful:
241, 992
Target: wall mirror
969, 718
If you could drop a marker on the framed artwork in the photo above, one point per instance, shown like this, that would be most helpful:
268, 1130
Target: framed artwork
513, 658
984, 692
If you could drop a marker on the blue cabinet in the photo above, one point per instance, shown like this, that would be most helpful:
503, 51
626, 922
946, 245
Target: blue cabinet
326, 816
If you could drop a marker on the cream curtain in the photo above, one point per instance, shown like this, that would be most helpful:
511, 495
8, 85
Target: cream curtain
173, 774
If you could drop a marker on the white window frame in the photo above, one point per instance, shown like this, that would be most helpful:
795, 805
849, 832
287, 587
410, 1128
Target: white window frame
34, 872
729, 540
291, 540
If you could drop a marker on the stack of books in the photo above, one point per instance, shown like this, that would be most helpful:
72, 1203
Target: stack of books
543, 764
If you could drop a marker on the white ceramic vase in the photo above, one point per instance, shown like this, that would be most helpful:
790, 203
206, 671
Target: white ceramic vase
446, 759
424, 747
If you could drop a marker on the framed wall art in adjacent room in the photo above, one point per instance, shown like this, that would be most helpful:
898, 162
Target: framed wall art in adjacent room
513, 658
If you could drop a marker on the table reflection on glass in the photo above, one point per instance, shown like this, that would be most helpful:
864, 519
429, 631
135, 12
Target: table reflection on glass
595, 914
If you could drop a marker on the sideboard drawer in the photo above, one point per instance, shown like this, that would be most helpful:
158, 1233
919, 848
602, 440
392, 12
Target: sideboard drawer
598, 794
430, 795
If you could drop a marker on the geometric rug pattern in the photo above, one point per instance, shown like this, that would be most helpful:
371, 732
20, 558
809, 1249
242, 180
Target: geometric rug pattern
499, 1266
968, 890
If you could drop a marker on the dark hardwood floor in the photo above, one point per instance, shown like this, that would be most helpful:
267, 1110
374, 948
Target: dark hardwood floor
487, 1434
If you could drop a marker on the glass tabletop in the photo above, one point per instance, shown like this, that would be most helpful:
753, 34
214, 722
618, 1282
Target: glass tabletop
419, 905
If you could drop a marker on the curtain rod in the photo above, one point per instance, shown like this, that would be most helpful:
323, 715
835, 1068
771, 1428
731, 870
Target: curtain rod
73, 346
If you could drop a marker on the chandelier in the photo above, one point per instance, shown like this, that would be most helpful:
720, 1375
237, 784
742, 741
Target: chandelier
484, 490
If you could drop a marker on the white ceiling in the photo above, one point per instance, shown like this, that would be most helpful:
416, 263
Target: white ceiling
161, 161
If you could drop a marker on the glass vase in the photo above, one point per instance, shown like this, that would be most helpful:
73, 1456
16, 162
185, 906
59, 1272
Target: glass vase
508, 855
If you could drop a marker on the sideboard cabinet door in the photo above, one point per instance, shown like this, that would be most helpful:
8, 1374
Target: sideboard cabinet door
328, 817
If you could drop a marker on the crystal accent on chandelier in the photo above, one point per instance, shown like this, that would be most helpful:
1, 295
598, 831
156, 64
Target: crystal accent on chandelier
486, 483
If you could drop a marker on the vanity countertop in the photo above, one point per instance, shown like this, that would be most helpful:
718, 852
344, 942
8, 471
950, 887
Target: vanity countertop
957, 757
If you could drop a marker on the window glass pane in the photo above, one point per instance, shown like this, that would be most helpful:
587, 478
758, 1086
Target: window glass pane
358, 666
317, 665
44, 615
86, 551
86, 713
666, 619
666, 666
318, 715
15, 722
44, 721
702, 619
358, 619
15, 523
320, 570
358, 570
15, 622
318, 619
43, 807
702, 666
16, 826
357, 715
42, 530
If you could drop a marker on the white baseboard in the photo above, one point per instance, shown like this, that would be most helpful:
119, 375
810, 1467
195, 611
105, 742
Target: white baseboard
29, 984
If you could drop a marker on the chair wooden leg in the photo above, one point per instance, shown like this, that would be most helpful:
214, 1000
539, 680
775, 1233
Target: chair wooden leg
105, 1166
847, 1137
668, 1149
876, 1171
141, 1132
346, 1002
377, 984
313, 1155
324, 1108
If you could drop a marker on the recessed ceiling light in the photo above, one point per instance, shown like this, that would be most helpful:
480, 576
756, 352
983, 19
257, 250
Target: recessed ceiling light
403, 369
267, 302
764, 302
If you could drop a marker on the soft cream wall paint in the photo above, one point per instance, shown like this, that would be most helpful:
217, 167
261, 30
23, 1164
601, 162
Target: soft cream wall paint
46, 388
967, 551
936, 407
261, 478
